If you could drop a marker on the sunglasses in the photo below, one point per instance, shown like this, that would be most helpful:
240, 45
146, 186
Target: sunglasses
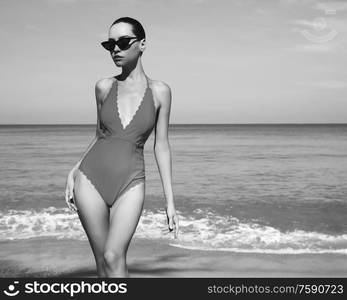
123, 43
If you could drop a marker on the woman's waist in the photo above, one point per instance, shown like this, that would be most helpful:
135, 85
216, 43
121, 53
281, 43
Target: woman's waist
116, 138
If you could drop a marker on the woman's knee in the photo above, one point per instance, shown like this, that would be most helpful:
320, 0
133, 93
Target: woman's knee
113, 257
99, 260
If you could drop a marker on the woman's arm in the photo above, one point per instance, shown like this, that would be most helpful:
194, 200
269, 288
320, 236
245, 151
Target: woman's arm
162, 149
162, 152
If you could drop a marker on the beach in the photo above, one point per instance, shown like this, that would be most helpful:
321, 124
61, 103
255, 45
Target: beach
247, 140
71, 258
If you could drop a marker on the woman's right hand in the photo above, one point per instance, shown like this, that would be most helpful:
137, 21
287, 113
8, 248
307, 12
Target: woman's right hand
69, 193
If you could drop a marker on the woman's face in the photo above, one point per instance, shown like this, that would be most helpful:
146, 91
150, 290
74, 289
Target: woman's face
123, 57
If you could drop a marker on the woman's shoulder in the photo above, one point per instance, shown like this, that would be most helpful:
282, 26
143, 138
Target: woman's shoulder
158, 85
104, 83
161, 89
103, 87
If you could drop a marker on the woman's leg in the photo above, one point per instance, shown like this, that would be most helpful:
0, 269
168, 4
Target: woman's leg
94, 215
124, 217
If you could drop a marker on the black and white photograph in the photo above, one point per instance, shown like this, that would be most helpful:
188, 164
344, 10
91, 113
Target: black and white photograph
183, 138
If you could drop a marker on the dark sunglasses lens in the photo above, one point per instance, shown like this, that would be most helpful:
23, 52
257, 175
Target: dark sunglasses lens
108, 45
123, 43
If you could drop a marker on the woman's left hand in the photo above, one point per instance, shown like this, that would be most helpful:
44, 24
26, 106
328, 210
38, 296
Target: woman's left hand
172, 219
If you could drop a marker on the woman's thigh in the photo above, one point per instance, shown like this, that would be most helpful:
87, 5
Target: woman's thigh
93, 212
125, 214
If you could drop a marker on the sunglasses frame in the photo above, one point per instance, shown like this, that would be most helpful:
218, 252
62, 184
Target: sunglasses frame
105, 44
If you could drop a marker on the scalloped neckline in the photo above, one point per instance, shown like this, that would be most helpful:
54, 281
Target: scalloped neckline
137, 108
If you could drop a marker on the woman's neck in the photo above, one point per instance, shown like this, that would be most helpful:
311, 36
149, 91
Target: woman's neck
133, 73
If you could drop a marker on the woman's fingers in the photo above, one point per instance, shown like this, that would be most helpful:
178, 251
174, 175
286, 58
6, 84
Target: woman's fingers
176, 226
69, 199
174, 218
73, 206
72, 202
173, 222
170, 224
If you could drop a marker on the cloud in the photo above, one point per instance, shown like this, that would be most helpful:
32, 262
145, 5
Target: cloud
314, 47
321, 30
332, 7
299, 2
305, 23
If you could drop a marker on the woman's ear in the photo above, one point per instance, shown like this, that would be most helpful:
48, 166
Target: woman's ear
143, 45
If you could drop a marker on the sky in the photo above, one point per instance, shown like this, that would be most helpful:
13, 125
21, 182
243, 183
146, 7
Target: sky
226, 61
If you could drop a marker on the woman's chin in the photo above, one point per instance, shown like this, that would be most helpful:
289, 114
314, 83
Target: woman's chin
118, 63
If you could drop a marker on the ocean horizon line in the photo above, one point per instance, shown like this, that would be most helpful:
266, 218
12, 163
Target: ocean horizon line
176, 124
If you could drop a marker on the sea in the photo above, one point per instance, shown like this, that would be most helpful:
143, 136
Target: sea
252, 188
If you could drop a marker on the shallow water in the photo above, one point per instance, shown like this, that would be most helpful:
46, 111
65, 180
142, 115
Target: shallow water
243, 188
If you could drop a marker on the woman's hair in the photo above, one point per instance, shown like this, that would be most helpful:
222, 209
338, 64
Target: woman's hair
138, 30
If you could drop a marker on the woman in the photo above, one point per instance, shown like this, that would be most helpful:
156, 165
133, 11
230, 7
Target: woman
107, 186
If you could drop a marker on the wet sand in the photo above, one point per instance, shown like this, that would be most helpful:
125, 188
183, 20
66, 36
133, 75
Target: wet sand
71, 258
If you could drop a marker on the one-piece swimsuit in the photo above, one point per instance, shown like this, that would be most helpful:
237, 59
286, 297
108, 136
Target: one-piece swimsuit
115, 163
